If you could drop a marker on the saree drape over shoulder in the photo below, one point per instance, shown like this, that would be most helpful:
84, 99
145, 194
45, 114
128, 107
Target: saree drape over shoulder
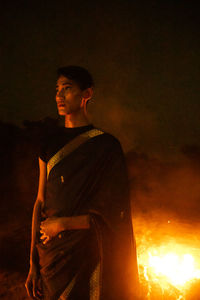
97, 263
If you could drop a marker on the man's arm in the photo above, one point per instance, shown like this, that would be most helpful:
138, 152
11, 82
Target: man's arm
78, 222
54, 225
33, 276
36, 219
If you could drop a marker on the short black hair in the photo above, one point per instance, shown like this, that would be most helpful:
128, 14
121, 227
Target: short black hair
79, 74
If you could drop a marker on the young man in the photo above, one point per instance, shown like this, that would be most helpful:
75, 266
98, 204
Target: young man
82, 240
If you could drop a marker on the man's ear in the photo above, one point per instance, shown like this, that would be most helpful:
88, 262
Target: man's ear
88, 93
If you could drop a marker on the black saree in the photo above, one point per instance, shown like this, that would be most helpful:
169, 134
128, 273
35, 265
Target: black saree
97, 263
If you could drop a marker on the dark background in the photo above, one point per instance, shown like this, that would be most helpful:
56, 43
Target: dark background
145, 59
144, 56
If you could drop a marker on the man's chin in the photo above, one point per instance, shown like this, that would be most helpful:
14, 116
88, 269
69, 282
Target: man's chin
62, 112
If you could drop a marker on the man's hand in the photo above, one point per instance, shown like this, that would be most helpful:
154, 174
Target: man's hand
50, 228
33, 284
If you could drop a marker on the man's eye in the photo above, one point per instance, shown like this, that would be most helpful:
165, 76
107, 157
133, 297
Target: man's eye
67, 88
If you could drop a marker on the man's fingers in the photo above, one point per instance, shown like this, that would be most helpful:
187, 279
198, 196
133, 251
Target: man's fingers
39, 293
28, 286
43, 236
43, 230
46, 240
35, 289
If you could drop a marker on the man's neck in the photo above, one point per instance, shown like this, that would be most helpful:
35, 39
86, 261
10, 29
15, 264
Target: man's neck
76, 120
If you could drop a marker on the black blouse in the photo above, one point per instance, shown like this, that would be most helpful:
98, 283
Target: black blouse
57, 138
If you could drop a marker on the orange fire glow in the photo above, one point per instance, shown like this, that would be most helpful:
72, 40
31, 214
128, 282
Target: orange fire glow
168, 259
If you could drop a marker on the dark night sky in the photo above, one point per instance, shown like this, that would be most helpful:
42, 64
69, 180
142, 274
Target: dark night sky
144, 56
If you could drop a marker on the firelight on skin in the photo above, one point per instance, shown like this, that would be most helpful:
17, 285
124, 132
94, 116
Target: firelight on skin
72, 102
69, 97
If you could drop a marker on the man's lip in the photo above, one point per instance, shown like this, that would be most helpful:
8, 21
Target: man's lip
60, 100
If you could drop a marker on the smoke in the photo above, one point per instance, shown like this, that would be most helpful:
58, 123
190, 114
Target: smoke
169, 187
136, 129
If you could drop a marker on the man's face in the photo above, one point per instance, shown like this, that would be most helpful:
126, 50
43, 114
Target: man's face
69, 96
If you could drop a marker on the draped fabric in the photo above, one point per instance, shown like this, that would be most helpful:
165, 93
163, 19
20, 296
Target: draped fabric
97, 263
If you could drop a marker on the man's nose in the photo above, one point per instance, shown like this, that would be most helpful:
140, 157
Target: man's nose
60, 93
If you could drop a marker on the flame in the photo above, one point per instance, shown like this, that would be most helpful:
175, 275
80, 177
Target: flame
176, 266
178, 269
168, 259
